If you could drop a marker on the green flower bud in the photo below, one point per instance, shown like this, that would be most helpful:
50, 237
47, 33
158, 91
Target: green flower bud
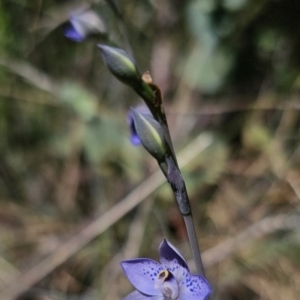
121, 65
151, 134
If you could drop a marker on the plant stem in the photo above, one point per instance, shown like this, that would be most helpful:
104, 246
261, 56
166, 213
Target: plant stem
178, 186
194, 243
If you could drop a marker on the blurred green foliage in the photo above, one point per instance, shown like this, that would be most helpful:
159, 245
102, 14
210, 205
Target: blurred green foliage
226, 67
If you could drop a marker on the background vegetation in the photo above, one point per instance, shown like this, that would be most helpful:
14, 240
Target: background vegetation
72, 187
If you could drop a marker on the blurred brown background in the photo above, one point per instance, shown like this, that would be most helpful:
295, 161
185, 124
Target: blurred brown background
229, 72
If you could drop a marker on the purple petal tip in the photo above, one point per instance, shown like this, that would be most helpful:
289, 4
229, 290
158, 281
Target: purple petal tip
169, 253
72, 34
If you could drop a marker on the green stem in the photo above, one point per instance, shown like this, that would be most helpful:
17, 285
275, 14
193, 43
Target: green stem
194, 243
178, 186
171, 171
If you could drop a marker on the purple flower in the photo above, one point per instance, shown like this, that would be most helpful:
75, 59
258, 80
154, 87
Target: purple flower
169, 279
84, 24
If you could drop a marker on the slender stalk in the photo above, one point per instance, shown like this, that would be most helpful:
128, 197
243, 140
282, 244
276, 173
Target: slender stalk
178, 186
194, 243
171, 170
126, 71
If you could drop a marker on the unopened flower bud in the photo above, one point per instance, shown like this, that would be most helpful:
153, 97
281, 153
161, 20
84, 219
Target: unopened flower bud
151, 134
121, 65
134, 138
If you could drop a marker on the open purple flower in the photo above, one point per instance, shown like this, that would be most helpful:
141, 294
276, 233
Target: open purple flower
169, 279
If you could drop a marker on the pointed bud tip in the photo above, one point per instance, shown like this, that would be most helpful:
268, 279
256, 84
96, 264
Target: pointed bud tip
105, 50
102, 47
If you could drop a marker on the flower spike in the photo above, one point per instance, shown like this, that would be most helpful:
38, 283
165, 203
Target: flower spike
153, 133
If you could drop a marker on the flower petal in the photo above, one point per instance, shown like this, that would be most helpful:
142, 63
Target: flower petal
134, 138
142, 272
194, 287
168, 254
136, 295
179, 272
71, 33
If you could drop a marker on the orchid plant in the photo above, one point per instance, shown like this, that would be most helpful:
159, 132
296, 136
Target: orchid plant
171, 279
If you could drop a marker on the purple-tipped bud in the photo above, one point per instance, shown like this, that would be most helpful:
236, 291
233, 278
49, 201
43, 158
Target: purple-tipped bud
134, 138
150, 133
84, 24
